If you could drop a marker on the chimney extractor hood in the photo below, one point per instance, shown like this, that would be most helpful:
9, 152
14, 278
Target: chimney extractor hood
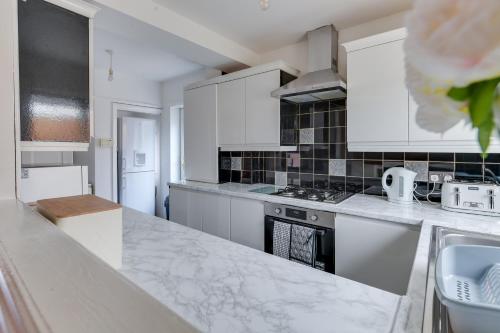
322, 82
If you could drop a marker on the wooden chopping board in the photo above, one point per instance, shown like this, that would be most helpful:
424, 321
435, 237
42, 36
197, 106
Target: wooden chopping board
59, 208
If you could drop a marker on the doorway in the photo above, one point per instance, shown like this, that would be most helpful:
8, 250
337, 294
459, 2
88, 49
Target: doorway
136, 156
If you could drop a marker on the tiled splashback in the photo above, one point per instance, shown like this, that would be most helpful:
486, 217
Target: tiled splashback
324, 162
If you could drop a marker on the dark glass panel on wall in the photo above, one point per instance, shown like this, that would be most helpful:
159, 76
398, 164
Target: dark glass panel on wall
53, 73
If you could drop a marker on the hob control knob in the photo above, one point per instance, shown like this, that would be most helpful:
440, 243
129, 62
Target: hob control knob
277, 210
314, 217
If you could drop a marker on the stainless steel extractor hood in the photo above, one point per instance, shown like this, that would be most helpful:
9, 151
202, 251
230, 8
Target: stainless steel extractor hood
322, 82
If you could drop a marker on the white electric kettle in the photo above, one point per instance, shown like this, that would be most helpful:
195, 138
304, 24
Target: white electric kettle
401, 189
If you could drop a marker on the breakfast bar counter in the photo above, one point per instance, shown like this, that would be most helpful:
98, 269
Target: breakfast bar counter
220, 286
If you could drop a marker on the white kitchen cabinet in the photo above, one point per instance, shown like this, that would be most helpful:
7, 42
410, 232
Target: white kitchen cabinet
185, 208
262, 115
375, 252
248, 117
202, 211
381, 113
377, 103
200, 134
231, 112
216, 214
247, 222
179, 205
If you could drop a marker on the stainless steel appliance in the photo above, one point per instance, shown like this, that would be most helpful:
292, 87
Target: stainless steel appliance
435, 319
328, 196
322, 82
471, 197
322, 237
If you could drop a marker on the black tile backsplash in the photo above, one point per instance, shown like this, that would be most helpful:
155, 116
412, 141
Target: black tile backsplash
356, 171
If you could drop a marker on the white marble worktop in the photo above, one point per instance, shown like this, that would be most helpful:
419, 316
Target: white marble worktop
410, 314
220, 286
360, 205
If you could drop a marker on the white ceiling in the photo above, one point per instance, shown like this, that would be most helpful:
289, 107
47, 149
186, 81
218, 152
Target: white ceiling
285, 22
141, 59
140, 53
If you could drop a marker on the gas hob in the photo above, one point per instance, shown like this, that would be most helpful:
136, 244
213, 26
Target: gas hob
328, 196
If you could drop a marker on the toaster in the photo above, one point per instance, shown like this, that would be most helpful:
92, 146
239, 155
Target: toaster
471, 197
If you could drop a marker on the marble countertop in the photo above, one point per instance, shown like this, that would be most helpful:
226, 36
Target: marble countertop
220, 286
58, 286
410, 313
360, 205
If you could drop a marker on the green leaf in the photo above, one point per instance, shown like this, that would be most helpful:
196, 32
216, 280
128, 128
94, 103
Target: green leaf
482, 95
484, 136
459, 94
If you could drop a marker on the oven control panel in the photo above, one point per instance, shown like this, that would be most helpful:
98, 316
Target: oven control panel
303, 215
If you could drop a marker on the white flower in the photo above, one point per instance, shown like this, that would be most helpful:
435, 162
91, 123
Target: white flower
436, 112
455, 41
450, 43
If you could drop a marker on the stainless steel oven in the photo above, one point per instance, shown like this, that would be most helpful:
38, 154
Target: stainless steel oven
318, 225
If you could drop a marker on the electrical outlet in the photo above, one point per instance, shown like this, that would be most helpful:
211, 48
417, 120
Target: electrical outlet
439, 177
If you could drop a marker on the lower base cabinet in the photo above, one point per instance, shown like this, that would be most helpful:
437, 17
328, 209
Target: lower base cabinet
375, 252
202, 211
247, 222
240, 220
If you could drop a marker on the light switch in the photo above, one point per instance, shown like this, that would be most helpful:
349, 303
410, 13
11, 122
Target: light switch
105, 143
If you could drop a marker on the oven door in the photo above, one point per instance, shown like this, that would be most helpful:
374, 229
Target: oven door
325, 238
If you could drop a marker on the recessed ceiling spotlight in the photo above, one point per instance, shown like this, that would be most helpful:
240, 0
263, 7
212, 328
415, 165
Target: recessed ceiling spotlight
264, 4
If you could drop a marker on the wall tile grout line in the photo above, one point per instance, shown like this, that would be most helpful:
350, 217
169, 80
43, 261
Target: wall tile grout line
359, 171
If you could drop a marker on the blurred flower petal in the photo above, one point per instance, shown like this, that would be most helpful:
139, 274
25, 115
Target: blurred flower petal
455, 41
436, 112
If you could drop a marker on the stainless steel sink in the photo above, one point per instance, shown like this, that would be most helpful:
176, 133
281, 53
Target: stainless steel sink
435, 313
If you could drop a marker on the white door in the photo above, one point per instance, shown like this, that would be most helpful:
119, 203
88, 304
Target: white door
138, 144
137, 191
200, 134
377, 97
231, 112
262, 115
247, 222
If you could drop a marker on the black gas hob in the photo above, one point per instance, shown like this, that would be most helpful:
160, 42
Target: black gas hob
317, 195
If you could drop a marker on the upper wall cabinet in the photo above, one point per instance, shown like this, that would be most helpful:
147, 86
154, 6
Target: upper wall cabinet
248, 118
247, 114
231, 112
55, 74
200, 134
381, 114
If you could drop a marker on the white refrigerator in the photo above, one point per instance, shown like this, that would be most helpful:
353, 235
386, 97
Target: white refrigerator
136, 156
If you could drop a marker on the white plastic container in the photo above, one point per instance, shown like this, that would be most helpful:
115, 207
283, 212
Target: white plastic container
468, 283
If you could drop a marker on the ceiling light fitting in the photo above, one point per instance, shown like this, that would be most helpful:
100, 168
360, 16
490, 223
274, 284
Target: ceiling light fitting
110, 70
264, 4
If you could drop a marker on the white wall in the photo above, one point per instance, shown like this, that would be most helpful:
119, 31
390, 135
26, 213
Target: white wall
173, 95
296, 54
7, 136
125, 89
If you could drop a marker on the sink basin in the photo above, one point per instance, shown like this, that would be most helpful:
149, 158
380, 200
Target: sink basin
435, 313
450, 237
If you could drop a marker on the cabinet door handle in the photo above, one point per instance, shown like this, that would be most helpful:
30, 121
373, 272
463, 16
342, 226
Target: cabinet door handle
491, 194
457, 196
